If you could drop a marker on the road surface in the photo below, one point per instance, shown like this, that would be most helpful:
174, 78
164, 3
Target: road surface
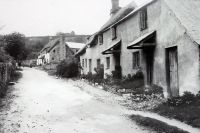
43, 104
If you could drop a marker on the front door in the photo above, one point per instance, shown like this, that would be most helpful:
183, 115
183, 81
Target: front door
173, 71
117, 65
149, 65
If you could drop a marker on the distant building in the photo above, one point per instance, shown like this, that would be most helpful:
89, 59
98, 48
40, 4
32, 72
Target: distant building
57, 50
161, 38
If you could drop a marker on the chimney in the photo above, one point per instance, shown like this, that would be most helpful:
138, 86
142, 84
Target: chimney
62, 47
115, 7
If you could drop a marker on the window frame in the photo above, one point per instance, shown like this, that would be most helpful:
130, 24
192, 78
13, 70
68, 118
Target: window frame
98, 62
136, 60
100, 39
83, 63
113, 33
90, 65
143, 14
107, 62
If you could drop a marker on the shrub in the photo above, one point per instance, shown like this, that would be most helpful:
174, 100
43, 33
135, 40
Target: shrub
133, 81
117, 74
4, 57
68, 68
99, 71
2, 89
153, 89
187, 99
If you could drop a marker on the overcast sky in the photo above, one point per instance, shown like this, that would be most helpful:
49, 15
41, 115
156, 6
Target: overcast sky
46, 17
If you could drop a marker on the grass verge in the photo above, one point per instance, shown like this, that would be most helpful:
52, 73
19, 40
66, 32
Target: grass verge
189, 114
185, 108
155, 125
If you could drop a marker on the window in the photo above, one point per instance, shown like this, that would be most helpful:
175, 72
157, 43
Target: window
108, 62
86, 63
143, 19
113, 33
100, 39
82, 62
136, 60
90, 65
52, 58
98, 62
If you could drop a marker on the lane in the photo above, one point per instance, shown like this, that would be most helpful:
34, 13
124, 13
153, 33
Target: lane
43, 104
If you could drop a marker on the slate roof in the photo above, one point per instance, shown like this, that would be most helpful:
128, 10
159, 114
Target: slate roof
188, 12
75, 45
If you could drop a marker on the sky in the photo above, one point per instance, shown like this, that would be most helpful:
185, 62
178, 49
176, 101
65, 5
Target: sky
47, 17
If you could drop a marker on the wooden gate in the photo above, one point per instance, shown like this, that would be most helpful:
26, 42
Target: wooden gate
173, 71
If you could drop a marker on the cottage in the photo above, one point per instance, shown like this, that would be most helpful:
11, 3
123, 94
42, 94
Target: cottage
157, 38
57, 50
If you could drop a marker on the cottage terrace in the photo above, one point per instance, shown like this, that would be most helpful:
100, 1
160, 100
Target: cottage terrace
156, 38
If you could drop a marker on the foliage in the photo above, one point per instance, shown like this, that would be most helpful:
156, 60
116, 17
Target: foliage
117, 74
135, 81
4, 57
68, 68
15, 45
185, 108
99, 71
187, 99
7, 73
2, 89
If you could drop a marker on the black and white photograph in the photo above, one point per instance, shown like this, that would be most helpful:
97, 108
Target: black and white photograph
99, 66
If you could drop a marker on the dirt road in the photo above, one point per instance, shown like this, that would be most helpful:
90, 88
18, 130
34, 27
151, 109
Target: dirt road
43, 104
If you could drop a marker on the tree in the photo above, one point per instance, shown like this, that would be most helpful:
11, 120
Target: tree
15, 46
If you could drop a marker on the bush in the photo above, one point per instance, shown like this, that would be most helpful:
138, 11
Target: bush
68, 68
3, 89
187, 99
99, 71
153, 89
132, 81
117, 74
4, 57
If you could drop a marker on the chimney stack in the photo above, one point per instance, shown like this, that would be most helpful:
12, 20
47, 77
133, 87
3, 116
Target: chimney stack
115, 7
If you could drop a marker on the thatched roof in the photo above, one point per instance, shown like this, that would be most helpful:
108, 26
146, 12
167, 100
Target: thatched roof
119, 15
50, 45
113, 19
82, 50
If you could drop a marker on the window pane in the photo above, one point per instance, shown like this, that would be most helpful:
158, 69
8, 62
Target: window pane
82, 62
108, 62
143, 19
86, 63
90, 65
136, 60
113, 32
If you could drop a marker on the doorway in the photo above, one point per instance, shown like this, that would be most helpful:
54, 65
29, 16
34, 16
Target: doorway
172, 71
118, 70
149, 65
